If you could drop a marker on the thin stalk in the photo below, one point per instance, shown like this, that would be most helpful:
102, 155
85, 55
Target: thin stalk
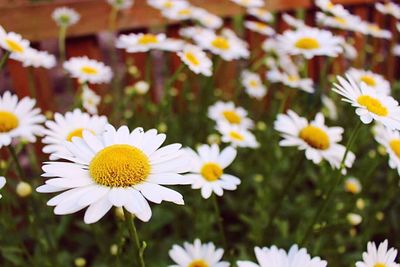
129, 219
4, 59
219, 220
168, 86
257, 64
61, 42
18, 168
32, 83
333, 186
284, 100
113, 19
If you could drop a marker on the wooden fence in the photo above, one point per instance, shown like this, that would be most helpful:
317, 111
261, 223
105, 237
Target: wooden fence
89, 37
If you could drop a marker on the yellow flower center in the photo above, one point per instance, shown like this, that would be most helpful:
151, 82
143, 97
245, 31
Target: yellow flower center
236, 136
395, 146
232, 117
89, 70
315, 137
185, 12
168, 4
192, 58
369, 80
378, 264
329, 5
119, 166
198, 263
211, 172
8, 121
307, 43
372, 105
14, 46
340, 20
221, 43
147, 39
77, 133
261, 26
253, 83
374, 28
293, 78
352, 187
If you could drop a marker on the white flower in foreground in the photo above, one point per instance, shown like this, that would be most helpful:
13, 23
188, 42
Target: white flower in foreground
88, 70
117, 168
143, 42
227, 112
291, 80
196, 59
318, 141
19, 119
34, 58
207, 171
65, 127
253, 84
197, 255
371, 79
121, 4
249, 3
370, 105
168, 4
378, 257
259, 27
389, 8
13, 43
261, 14
390, 139
2, 183
352, 185
90, 100
236, 136
310, 42
206, 18
65, 16
293, 22
277, 257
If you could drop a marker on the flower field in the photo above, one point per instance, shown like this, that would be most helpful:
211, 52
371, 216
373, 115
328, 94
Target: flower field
200, 146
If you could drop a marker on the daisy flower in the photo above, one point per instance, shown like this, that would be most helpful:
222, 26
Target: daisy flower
197, 255
378, 257
168, 4
121, 4
2, 183
19, 119
374, 30
370, 105
227, 112
37, 59
329, 7
196, 59
144, 42
277, 257
236, 136
291, 80
330, 107
389, 8
88, 70
349, 22
259, 27
349, 51
293, 22
90, 100
184, 13
253, 84
371, 79
206, 18
65, 127
249, 3
65, 16
13, 43
117, 168
192, 31
207, 171
318, 141
352, 185
310, 42
260, 13
391, 141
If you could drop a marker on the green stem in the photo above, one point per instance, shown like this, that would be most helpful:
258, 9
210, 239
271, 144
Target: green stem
167, 89
284, 100
18, 168
31, 83
333, 186
61, 42
4, 59
257, 64
113, 19
129, 218
148, 68
219, 220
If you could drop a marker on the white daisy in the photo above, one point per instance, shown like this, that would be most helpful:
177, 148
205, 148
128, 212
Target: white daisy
261, 14
90, 100
65, 16
229, 113
121, 4
310, 42
378, 257
315, 138
371, 79
65, 127
196, 59
389, 8
249, 3
293, 22
117, 168
184, 13
259, 27
13, 43
191, 32
168, 4
349, 22
253, 84
88, 70
19, 119
328, 6
2, 183
352, 185
207, 171
374, 30
277, 257
390, 139
35, 58
143, 42
197, 255
206, 18
349, 51
236, 136
291, 80
370, 105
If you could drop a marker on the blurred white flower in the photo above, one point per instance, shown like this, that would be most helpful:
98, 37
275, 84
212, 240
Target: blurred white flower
259, 27
330, 107
141, 87
352, 185
260, 13
35, 58
196, 59
143, 42
88, 70
65, 16
253, 84
13, 43
354, 219
291, 80
90, 100
371, 79
121, 4
389, 8
249, 3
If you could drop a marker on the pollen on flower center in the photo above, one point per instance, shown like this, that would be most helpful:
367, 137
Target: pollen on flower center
370, 81
232, 117
184, 12
8, 121
198, 263
76, 133
236, 136
395, 146
14, 46
378, 264
307, 43
221, 43
89, 70
352, 187
261, 26
148, 39
253, 83
340, 20
192, 58
168, 4
315, 137
211, 172
372, 105
119, 166
293, 78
